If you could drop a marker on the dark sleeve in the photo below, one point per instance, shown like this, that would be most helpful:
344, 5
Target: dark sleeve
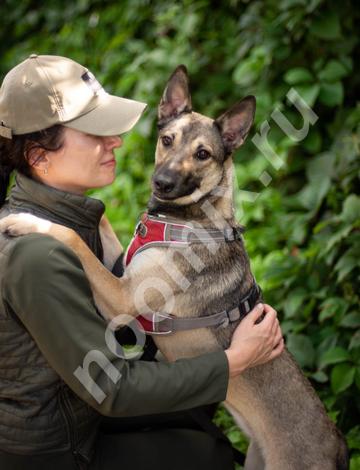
118, 268
45, 285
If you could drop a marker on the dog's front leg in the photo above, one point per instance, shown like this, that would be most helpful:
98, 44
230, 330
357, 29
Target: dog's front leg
112, 295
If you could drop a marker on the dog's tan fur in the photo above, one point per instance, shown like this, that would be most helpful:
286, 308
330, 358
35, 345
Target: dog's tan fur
274, 403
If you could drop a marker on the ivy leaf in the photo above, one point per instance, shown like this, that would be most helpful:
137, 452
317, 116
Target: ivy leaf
312, 142
326, 26
337, 238
355, 341
357, 377
342, 377
333, 356
298, 75
353, 438
312, 195
308, 93
294, 301
333, 71
333, 306
302, 348
347, 262
320, 167
320, 376
331, 94
352, 320
351, 209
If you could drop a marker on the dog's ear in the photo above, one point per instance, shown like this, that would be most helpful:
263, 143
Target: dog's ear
176, 98
235, 123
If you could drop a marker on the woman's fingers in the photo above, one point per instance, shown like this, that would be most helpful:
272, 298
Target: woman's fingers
279, 348
255, 313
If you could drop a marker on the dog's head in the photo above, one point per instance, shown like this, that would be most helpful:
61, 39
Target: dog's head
192, 148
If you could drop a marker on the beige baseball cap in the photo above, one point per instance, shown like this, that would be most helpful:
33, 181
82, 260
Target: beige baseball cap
45, 90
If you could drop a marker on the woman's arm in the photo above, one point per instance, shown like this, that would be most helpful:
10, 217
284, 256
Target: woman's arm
55, 305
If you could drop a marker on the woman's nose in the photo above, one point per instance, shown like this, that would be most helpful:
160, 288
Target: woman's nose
113, 142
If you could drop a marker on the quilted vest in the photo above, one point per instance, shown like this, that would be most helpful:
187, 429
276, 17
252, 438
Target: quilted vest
38, 411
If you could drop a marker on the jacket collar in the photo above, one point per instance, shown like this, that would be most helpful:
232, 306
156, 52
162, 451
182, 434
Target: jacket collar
58, 206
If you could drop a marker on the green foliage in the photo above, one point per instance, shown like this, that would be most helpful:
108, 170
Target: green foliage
303, 226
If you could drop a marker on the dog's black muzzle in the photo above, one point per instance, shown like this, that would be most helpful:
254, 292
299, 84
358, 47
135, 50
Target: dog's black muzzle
172, 184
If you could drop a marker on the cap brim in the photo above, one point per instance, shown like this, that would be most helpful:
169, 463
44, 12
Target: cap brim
113, 116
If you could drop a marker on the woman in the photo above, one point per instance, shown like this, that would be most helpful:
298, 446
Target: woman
59, 130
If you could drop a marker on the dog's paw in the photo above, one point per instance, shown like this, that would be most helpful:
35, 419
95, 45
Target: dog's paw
22, 224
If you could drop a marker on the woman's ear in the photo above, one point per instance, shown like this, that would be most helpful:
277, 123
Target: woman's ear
38, 159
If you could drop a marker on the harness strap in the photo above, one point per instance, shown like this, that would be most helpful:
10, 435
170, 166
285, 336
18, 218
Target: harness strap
161, 231
179, 231
166, 324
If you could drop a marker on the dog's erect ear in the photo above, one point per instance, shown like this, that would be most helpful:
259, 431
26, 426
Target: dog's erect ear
176, 98
236, 122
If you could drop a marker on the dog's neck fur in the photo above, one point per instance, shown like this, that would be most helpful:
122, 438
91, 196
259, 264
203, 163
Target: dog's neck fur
215, 209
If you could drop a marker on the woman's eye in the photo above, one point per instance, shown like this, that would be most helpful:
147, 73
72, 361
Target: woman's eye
166, 140
202, 154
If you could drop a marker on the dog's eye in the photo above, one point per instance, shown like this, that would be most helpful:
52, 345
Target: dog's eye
202, 154
166, 140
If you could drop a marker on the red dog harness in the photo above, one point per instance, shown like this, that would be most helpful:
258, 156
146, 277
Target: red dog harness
156, 231
159, 231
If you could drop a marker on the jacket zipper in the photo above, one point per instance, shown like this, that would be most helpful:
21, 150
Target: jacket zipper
69, 420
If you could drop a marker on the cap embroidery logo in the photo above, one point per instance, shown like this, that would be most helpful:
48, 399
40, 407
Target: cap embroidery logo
91, 81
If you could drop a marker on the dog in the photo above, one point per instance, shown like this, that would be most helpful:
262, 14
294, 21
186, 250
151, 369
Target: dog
200, 266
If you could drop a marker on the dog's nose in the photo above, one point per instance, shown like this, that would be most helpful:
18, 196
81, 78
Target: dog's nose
164, 183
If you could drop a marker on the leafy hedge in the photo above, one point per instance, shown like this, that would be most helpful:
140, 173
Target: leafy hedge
303, 218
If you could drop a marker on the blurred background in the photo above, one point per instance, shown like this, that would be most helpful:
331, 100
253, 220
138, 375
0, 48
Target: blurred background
302, 217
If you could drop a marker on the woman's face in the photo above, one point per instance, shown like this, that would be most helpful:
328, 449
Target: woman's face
84, 162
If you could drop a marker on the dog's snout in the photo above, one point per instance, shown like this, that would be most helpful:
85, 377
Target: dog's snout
164, 183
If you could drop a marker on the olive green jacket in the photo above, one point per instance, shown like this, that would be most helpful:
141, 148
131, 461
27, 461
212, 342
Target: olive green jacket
49, 325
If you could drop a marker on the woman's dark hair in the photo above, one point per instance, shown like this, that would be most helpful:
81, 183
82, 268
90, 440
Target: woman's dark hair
14, 153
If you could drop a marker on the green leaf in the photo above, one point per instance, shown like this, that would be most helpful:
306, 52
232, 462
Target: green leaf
351, 320
320, 167
308, 93
353, 438
355, 340
355, 462
331, 94
333, 356
337, 238
351, 209
326, 26
357, 377
342, 377
312, 195
333, 71
320, 376
312, 142
294, 301
347, 262
333, 306
302, 348
298, 75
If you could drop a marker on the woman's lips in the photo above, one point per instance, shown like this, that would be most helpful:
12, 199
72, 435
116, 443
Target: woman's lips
111, 162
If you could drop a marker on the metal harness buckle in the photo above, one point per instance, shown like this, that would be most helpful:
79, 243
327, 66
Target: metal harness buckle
162, 319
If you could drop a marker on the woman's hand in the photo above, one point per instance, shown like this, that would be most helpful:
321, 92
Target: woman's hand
254, 343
